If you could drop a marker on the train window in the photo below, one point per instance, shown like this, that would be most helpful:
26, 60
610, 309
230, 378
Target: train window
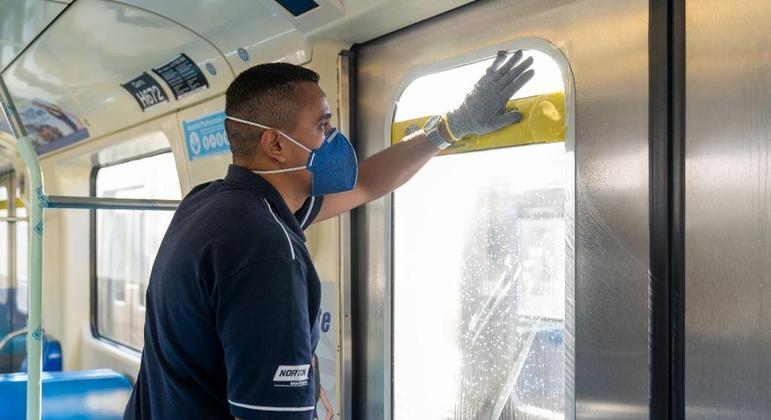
13, 266
22, 253
5, 283
480, 255
126, 242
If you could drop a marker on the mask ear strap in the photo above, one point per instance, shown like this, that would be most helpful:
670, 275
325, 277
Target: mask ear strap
228, 117
280, 171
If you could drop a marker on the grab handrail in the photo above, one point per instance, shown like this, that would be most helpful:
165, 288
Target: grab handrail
102, 203
34, 316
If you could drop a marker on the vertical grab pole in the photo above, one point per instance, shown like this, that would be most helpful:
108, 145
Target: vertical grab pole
37, 203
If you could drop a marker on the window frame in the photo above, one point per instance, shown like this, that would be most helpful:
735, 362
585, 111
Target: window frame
93, 280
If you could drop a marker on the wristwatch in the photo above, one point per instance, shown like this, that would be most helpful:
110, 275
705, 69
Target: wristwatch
431, 128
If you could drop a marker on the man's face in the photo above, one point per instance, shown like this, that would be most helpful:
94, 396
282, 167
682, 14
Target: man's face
313, 120
313, 116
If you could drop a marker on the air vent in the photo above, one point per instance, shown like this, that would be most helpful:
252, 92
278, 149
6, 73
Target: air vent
298, 7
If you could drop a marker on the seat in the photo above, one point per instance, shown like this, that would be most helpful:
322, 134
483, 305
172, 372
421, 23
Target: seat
13, 353
89, 395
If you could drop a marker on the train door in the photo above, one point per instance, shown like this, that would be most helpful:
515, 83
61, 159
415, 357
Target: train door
728, 210
508, 279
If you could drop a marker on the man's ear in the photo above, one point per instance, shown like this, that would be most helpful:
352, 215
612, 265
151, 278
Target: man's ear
271, 147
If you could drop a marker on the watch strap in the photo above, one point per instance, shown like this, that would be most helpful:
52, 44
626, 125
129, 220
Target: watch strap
436, 139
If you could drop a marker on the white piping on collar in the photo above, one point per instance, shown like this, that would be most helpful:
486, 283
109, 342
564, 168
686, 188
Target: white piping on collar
308, 213
288, 239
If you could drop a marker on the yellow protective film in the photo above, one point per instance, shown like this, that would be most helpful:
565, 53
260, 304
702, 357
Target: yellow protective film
4, 204
543, 121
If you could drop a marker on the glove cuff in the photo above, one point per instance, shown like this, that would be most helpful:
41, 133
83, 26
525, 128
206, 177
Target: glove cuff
451, 118
455, 138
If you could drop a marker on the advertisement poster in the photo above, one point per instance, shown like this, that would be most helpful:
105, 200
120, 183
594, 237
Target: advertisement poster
49, 126
326, 353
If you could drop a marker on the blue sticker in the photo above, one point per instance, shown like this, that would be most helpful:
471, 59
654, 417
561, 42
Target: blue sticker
205, 136
243, 54
211, 69
37, 334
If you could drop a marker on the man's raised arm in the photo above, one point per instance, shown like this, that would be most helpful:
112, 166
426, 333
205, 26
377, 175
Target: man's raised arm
482, 112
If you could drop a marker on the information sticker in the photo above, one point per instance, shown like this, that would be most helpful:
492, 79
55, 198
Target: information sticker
205, 136
146, 91
182, 75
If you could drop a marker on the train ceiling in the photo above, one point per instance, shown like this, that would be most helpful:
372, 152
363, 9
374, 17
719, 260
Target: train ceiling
79, 54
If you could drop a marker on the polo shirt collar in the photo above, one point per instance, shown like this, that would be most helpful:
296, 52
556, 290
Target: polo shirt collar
261, 186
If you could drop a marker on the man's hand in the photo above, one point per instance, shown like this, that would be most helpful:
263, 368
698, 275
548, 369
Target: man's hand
483, 111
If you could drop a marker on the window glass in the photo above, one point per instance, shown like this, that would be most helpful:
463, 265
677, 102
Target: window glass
127, 242
4, 280
479, 268
22, 256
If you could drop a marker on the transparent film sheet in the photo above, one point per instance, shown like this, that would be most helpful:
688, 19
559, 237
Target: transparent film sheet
483, 266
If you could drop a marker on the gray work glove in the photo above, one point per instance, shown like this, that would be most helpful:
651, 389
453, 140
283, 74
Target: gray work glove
483, 110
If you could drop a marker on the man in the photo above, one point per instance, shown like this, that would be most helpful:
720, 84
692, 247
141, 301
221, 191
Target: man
233, 301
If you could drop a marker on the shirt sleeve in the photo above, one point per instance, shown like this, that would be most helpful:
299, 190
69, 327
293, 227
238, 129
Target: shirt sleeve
308, 212
262, 321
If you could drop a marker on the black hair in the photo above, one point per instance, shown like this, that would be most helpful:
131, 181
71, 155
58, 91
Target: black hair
265, 94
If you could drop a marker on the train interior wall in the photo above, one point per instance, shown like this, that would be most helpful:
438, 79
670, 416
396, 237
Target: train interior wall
67, 314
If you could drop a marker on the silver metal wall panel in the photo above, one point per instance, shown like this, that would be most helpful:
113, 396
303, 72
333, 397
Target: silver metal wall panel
728, 209
606, 43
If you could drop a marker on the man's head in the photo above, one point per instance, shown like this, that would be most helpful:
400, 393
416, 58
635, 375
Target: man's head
282, 96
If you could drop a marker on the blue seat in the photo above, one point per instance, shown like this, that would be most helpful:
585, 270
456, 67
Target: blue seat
52, 355
83, 395
13, 353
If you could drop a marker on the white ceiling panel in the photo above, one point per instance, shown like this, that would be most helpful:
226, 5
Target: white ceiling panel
268, 32
91, 47
21, 21
80, 62
261, 28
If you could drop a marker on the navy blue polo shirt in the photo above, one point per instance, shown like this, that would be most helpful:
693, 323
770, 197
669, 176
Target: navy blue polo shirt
232, 308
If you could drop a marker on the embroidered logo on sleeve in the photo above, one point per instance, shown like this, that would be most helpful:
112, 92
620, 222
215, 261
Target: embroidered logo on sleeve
291, 375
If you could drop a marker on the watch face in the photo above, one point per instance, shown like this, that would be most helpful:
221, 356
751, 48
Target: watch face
432, 123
